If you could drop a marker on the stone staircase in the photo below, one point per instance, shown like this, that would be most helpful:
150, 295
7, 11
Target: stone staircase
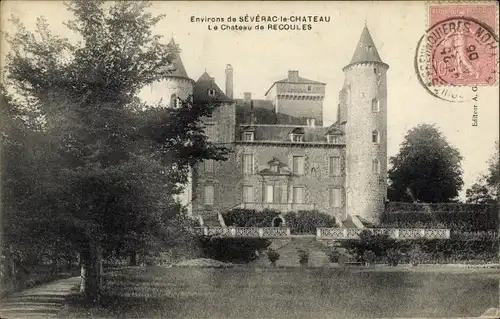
40, 302
289, 256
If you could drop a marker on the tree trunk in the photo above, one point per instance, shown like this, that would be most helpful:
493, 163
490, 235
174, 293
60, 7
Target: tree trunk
91, 272
133, 258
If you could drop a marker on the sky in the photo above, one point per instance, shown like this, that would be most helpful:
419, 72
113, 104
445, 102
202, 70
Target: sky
260, 57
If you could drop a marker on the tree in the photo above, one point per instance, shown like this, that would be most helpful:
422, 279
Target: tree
487, 188
427, 168
111, 164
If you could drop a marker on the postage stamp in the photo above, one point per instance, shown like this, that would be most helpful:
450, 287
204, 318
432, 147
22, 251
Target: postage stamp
462, 44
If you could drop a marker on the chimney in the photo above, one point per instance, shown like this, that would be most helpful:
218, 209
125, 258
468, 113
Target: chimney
229, 81
293, 76
252, 114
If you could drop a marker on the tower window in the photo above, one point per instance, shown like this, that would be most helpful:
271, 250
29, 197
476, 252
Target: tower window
375, 137
375, 105
376, 166
211, 92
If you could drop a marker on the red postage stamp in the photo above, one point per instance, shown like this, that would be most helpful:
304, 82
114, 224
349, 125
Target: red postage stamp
462, 44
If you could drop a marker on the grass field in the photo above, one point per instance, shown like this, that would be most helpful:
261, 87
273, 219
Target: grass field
292, 293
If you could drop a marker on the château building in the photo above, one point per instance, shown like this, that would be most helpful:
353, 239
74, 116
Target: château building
282, 157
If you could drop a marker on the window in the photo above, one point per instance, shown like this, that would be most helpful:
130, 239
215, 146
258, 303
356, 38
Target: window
210, 131
332, 139
375, 137
297, 137
269, 194
375, 70
298, 195
375, 105
174, 101
247, 163
334, 166
376, 166
309, 88
248, 136
335, 197
209, 195
298, 165
209, 166
211, 92
248, 194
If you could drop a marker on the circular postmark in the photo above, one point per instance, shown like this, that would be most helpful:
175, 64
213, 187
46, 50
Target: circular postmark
455, 55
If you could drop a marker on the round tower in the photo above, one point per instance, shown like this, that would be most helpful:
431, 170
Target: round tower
174, 87
366, 131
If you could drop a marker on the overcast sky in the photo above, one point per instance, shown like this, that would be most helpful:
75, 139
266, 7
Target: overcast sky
261, 57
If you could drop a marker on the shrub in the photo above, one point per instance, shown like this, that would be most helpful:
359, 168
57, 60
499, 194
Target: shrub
334, 256
369, 257
393, 257
306, 222
303, 257
378, 244
241, 217
415, 255
232, 249
273, 256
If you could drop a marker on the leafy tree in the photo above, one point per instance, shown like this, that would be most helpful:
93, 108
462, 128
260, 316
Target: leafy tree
487, 188
111, 165
427, 168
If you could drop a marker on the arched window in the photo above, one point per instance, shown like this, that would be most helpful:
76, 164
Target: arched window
174, 101
376, 166
375, 105
375, 137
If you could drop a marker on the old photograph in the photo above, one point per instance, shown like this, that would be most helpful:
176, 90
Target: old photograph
253, 159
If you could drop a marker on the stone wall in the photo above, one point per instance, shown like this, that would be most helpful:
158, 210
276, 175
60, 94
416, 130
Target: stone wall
229, 179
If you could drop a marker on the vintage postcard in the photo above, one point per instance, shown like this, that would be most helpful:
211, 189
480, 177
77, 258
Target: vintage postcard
249, 159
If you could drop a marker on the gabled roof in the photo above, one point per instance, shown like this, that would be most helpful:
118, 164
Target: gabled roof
202, 87
300, 80
365, 50
176, 69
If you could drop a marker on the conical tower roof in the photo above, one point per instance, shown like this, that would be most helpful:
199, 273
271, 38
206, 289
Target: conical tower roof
176, 69
366, 50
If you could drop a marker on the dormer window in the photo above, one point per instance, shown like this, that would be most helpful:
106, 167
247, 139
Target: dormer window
332, 139
311, 122
297, 135
248, 136
211, 92
274, 168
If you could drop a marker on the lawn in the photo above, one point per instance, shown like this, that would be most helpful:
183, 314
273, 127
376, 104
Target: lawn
291, 293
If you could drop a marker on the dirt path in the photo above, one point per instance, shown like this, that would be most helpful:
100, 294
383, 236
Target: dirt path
44, 301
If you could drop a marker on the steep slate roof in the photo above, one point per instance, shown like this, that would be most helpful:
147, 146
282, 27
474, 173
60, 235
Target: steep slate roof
366, 50
176, 69
201, 87
301, 80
